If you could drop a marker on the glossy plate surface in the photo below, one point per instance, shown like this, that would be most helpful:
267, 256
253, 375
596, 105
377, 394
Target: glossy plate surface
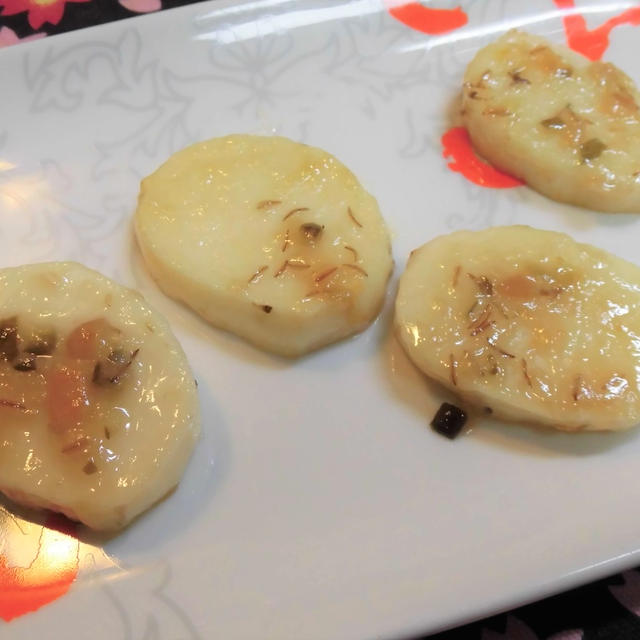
319, 503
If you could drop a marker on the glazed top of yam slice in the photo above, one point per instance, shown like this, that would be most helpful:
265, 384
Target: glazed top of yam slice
569, 127
263, 211
529, 323
98, 407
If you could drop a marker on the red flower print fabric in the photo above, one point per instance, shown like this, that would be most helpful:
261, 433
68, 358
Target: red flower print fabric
25, 20
38, 11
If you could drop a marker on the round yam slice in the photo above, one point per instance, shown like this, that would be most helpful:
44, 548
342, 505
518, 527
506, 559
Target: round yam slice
267, 238
528, 323
98, 407
568, 127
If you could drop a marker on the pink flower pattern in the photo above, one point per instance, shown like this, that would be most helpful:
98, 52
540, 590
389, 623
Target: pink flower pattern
9, 37
141, 6
52, 13
628, 594
38, 12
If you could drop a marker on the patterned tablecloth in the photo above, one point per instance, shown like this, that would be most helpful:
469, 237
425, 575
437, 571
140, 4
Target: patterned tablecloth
32, 19
607, 609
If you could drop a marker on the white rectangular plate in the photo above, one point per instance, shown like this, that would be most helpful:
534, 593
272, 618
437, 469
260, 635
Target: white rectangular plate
319, 503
